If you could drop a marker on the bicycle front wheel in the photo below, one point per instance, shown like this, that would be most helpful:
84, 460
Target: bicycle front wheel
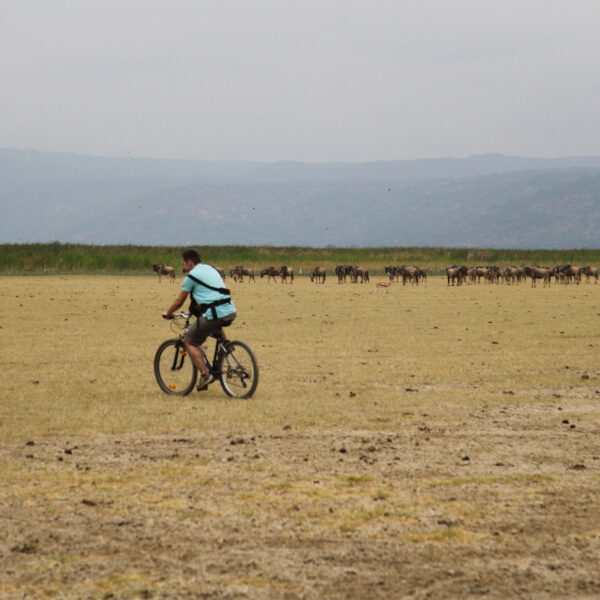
238, 370
174, 370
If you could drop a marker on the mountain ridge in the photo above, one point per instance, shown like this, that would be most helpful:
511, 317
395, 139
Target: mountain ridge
55, 167
47, 197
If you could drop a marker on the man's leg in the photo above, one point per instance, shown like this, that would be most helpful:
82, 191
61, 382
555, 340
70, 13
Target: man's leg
196, 356
194, 338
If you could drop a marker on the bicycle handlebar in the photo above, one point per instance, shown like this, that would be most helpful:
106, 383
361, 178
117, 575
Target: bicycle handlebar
185, 315
217, 333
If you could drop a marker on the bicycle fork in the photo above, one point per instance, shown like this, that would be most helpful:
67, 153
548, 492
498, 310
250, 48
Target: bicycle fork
180, 354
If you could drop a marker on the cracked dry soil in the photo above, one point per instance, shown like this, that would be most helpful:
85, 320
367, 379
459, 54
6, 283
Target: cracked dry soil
504, 506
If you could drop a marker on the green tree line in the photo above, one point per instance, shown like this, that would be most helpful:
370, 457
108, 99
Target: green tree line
59, 258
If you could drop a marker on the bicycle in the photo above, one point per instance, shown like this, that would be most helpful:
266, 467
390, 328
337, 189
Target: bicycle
233, 364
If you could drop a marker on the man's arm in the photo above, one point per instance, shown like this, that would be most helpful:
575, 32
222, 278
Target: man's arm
177, 303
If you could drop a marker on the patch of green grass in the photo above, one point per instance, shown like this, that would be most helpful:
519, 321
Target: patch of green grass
358, 480
56, 257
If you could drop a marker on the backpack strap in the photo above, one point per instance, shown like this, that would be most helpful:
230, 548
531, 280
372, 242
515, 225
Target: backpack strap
199, 310
223, 291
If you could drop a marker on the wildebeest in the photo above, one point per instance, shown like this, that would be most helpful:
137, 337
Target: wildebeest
319, 274
477, 273
487, 274
237, 273
568, 273
362, 273
456, 274
410, 274
543, 273
392, 272
508, 274
285, 273
270, 272
493, 275
163, 270
590, 272
343, 271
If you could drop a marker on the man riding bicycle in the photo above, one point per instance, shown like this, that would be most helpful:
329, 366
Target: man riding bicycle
210, 302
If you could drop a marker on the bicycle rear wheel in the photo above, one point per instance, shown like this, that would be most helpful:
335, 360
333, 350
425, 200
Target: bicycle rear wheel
174, 370
238, 370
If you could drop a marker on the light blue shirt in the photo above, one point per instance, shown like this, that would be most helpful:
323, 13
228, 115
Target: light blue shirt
203, 295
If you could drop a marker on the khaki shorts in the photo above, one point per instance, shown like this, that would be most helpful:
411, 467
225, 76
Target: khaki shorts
202, 328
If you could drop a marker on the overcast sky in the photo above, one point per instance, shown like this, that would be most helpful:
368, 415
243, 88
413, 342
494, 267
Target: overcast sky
313, 81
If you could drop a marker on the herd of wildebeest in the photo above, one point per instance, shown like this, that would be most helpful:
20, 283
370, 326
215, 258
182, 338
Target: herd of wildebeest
492, 274
456, 275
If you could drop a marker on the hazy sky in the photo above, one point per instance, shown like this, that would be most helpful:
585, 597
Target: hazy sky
305, 80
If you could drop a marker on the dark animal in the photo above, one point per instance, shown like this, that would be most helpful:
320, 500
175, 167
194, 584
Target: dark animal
400, 272
285, 273
508, 274
270, 272
162, 270
362, 273
410, 274
543, 273
456, 274
590, 272
392, 272
568, 273
493, 275
477, 273
319, 275
351, 272
343, 271
238, 273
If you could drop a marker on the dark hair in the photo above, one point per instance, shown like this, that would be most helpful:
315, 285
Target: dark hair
192, 255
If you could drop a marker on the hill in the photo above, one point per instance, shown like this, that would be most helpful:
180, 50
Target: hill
486, 201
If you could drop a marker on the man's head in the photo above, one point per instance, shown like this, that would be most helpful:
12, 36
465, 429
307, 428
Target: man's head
189, 259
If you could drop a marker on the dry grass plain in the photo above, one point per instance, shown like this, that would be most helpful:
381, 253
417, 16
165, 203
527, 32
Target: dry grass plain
425, 442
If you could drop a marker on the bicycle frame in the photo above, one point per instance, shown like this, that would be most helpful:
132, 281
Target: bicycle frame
219, 348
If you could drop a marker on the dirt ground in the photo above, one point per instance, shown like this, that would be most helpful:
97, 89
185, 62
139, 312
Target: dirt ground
503, 506
428, 442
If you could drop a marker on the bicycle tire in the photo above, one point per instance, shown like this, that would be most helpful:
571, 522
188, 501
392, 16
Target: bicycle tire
238, 370
174, 370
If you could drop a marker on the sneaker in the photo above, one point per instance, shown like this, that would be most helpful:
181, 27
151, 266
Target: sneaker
203, 381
